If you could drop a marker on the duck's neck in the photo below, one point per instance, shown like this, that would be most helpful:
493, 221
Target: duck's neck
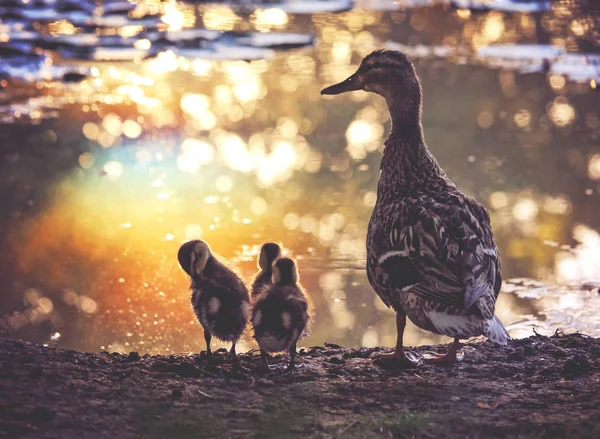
407, 165
286, 282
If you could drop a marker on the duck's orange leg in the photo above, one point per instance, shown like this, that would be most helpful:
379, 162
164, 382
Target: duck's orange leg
453, 355
400, 355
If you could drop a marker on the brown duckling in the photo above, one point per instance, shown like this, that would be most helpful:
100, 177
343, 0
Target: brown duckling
269, 252
219, 297
431, 253
281, 312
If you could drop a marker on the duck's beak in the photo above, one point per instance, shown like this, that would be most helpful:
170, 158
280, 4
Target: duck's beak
352, 83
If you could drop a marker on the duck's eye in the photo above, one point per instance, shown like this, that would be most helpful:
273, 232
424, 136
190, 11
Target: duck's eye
377, 65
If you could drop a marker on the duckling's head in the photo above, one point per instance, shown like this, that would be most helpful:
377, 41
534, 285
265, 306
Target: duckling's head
269, 252
193, 256
388, 73
285, 272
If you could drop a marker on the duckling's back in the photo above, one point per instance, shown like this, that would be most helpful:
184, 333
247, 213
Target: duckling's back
261, 281
280, 317
222, 310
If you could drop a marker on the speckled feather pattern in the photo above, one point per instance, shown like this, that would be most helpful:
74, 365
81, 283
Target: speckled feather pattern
261, 281
281, 317
431, 252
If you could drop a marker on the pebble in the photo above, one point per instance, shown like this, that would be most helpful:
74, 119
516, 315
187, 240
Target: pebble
336, 360
576, 366
265, 382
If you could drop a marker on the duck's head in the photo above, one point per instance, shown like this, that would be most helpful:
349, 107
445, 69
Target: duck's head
285, 272
269, 252
193, 256
388, 73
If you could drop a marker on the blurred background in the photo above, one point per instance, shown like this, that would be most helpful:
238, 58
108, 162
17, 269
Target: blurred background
128, 127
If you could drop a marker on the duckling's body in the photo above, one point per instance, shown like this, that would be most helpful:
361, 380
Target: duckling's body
281, 314
431, 253
219, 297
269, 252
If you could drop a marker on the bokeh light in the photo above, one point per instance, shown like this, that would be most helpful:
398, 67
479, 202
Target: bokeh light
188, 140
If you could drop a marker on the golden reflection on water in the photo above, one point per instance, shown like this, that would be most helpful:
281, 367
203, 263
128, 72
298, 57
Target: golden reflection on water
238, 153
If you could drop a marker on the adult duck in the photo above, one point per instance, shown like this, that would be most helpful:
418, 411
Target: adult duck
431, 253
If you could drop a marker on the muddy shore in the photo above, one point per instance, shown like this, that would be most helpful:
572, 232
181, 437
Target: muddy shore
534, 387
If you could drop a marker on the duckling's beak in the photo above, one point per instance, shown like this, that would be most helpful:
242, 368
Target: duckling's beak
352, 83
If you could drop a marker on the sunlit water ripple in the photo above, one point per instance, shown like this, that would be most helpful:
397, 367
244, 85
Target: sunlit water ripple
107, 167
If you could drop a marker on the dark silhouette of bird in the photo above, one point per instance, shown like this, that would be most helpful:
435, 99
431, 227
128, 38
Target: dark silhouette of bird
281, 312
219, 297
431, 253
269, 252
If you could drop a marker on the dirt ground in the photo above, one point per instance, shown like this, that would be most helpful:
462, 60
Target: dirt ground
536, 387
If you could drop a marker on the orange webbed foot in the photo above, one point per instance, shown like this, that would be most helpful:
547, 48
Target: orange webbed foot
453, 356
404, 360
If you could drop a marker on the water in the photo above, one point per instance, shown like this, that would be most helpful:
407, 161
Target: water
108, 166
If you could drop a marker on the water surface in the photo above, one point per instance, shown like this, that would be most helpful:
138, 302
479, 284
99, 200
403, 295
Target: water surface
121, 140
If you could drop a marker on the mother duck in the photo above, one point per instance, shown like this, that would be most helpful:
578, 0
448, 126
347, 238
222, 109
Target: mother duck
431, 253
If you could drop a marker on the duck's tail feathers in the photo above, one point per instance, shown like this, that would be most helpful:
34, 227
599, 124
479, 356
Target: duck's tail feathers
497, 333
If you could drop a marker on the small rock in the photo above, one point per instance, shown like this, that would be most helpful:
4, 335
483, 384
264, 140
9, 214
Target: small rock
505, 372
176, 393
73, 77
591, 285
359, 353
516, 355
548, 371
332, 345
582, 360
264, 382
133, 356
529, 351
574, 367
336, 360
559, 353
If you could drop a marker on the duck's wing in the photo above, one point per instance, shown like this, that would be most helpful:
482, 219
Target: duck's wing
443, 252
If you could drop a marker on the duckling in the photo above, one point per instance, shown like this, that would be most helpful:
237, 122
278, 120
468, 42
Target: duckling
431, 253
269, 252
281, 313
219, 297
